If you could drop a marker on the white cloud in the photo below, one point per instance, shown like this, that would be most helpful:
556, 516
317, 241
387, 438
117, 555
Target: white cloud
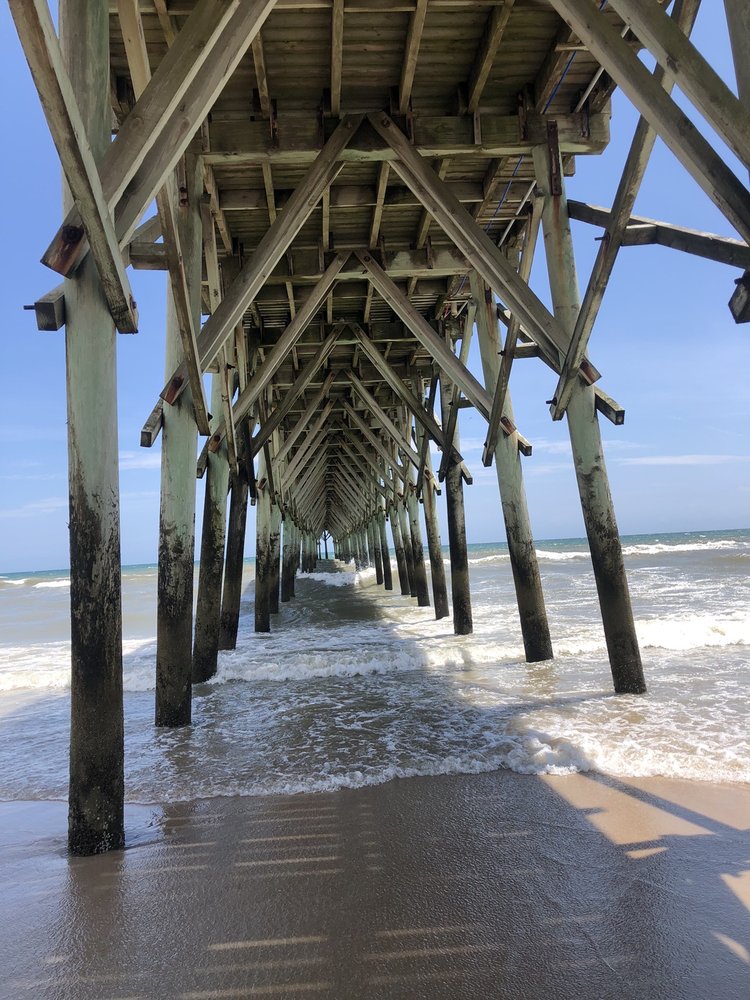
132, 460
50, 505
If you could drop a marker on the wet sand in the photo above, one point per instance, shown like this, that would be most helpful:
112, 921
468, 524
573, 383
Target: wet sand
475, 886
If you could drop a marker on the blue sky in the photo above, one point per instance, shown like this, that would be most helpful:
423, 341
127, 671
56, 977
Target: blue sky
665, 343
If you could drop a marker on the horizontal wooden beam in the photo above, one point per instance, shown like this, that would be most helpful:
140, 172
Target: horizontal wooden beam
42, 50
49, 310
641, 231
299, 141
697, 156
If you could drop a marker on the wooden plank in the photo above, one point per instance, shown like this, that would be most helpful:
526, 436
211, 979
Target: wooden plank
411, 54
426, 336
337, 54
152, 428
158, 130
279, 351
485, 56
641, 231
684, 15
377, 213
394, 381
382, 417
706, 166
292, 395
42, 50
304, 421
474, 243
49, 310
434, 136
269, 251
693, 74
511, 339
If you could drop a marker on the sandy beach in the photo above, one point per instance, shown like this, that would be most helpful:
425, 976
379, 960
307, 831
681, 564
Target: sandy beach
496, 885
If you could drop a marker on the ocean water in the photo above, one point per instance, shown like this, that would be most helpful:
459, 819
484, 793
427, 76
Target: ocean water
356, 686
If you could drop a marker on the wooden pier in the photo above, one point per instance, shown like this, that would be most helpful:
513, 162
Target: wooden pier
345, 191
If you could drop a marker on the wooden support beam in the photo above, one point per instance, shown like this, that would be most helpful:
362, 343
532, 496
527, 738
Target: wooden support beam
152, 428
424, 448
395, 382
314, 435
271, 248
511, 339
302, 381
261, 75
684, 14
280, 350
42, 50
493, 33
158, 130
474, 243
693, 74
377, 212
426, 335
96, 785
310, 410
372, 438
49, 310
705, 165
411, 54
641, 231
384, 420
435, 136
214, 298
337, 54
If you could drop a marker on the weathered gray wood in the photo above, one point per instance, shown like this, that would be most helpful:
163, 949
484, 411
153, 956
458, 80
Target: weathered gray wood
49, 310
641, 231
274, 560
96, 789
337, 54
706, 166
384, 553
426, 335
398, 545
262, 550
287, 561
471, 239
502, 378
434, 544
524, 565
373, 535
235, 556
463, 623
494, 30
411, 54
154, 136
435, 136
588, 454
693, 74
69, 134
174, 614
213, 538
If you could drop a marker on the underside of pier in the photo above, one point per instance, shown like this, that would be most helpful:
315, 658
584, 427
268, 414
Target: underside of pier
342, 193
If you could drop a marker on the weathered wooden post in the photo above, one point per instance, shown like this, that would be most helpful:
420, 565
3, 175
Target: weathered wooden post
262, 549
420, 571
373, 535
398, 545
174, 616
287, 561
524, 565
434, 543
585, 439
235, 557
384, 553
96, 791
275, 557
463, 622
213, 536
